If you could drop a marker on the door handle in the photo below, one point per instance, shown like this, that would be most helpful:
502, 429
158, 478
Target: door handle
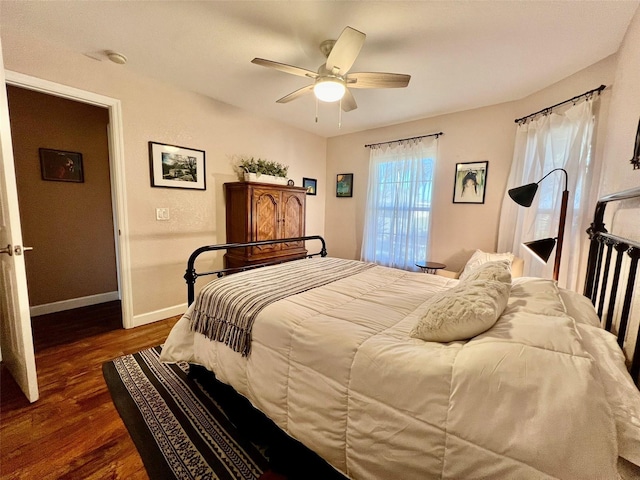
7, 250
18, 249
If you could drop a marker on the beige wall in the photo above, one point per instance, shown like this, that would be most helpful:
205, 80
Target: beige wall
623, 115
69, 225
483, 134
153, 111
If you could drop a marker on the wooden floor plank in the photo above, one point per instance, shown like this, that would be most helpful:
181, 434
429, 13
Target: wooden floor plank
74, 430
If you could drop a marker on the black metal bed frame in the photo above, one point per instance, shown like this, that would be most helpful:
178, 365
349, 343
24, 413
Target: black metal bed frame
191, 275
597, 287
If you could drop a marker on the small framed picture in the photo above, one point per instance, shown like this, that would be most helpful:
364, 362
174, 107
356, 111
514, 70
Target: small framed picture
470, 182
176, 167
61, 166
344, 185
311, 184
635, 161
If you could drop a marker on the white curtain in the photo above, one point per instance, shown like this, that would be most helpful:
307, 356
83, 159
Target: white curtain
397, 217
552, 141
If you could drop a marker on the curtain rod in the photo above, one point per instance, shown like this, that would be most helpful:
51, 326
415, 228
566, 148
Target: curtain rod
548, 110
404, 139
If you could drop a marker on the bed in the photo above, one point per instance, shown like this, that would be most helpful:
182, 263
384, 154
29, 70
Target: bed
340, 363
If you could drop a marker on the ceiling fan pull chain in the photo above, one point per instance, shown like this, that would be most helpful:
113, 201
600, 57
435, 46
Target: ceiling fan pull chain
316, 109
340, 115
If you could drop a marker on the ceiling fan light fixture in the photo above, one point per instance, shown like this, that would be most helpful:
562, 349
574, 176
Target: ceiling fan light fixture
329, 89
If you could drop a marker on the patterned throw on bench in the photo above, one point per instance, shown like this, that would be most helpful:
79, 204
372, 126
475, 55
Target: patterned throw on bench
226, 308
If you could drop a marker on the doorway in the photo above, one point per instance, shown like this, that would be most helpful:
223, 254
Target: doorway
61, 155
117, 180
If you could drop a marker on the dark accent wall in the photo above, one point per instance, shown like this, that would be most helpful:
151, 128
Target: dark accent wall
68, 224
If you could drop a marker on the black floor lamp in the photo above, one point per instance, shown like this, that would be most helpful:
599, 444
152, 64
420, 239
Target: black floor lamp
542, 248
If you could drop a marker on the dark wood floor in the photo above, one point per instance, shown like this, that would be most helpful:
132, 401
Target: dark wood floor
70, 326
73, 431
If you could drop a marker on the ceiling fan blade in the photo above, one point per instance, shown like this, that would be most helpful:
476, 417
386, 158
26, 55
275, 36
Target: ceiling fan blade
378, 80
348, 103
346, 50
283, 67
296, 94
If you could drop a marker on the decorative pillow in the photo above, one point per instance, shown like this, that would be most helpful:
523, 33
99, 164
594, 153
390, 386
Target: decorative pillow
479, 257
498, 270
463, 311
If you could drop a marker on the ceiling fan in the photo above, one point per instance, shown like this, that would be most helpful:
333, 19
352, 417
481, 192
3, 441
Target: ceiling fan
332, 81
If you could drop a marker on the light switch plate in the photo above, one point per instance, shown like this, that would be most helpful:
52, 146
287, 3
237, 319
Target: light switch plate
162, 214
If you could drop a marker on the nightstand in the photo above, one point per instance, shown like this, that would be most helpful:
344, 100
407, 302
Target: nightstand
430, 267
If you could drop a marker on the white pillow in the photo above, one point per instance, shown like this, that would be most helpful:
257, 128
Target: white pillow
463, 311
498, 270
479, 257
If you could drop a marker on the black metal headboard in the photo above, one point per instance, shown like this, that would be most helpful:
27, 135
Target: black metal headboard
613, 292
191, 275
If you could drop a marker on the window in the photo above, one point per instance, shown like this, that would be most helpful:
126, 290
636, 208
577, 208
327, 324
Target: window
558, 140
398, 209
555, 151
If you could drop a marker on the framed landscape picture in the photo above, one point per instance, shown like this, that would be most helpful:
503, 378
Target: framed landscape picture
470, 182
61, 166
176, 167
344, 185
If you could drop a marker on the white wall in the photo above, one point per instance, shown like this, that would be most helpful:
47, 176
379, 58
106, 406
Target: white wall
153, 111
482, 134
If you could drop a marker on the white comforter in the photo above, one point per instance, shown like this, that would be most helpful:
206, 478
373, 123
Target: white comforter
539, 395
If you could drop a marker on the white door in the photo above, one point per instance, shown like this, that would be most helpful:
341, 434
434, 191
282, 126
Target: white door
16, 339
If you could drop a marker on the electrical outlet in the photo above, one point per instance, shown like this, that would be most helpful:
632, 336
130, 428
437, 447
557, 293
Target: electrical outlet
162, 214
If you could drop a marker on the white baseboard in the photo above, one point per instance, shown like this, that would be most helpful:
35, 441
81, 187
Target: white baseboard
73, 303
150, 317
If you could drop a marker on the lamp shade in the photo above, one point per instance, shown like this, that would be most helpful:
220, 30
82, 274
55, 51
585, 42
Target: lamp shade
524, 195
541, 248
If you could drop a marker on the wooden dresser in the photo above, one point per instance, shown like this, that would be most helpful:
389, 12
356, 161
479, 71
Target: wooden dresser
261, 211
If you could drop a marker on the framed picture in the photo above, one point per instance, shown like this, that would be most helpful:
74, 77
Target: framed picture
470, 182
635, 161
176, 167
311, 184
344, 185
61, 166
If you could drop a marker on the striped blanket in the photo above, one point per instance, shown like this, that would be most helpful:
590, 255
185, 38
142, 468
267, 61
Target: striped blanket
226, 308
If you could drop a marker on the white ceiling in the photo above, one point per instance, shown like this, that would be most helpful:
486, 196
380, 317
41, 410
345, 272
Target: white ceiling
460, 54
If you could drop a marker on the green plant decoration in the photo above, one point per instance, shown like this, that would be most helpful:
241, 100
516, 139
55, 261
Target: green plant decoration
260, 166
